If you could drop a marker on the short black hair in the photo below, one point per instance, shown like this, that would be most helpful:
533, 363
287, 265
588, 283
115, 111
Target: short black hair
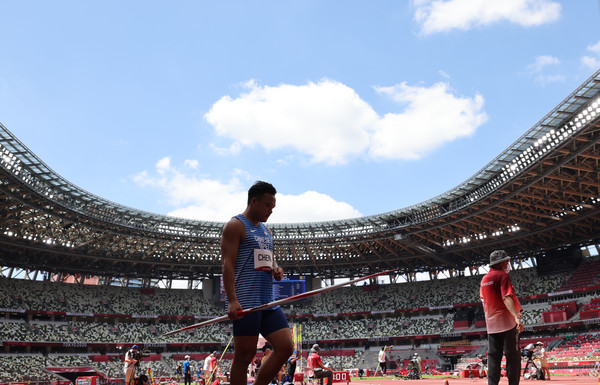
259, 188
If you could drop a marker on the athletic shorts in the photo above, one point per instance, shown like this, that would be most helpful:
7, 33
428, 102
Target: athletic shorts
264, 322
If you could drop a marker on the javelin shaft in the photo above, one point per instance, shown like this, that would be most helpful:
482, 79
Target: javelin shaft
278, 302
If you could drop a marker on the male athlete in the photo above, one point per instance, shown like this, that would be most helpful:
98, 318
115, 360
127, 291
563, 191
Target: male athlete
382, 358
248, 271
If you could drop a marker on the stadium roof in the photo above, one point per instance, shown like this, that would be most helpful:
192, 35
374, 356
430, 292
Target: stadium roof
541, 193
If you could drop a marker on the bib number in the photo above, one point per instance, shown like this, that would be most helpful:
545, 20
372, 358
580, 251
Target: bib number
263, 260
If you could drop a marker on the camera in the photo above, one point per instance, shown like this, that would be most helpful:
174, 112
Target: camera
527, 353
138, 355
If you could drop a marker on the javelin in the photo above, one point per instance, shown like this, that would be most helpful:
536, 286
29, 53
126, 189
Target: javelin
278, 302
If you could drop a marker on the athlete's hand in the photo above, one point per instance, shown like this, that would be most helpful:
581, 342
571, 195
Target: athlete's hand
277, 273
232, 310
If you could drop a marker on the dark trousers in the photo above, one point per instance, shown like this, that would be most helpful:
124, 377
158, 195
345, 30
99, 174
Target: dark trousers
383, 367
322, 373
506, 343
187, 378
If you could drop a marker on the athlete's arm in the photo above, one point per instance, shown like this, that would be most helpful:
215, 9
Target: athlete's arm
323, 366
233, 233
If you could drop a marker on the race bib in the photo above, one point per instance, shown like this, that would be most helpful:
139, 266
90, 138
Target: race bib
263, 260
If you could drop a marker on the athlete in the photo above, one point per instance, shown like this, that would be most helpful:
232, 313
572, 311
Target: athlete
382, 358
249, 268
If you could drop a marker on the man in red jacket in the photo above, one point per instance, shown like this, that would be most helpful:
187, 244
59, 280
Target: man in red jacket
503, 319
315, 363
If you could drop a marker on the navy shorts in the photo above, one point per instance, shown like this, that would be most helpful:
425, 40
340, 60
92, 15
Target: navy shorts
264, 322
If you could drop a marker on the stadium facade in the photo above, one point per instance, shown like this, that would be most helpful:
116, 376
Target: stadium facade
539, 197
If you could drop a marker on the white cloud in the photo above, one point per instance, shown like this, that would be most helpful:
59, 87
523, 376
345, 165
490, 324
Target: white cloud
437, 15
195, 198
311, 206
433, 117
542, 62
538, 70
143, 179
163, 165
444, 74
590, 61
233, 149
593, 60
546, 79
214, 200
330, 123
326, 120
192, 163
595, 48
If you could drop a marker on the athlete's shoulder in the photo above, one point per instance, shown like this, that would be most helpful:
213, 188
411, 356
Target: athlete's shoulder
234, 222
234, 228
267, 230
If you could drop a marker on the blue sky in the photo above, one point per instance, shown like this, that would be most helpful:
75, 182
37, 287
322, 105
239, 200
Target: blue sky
349, 108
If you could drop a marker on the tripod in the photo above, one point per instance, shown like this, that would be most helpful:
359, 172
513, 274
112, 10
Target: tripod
531, 371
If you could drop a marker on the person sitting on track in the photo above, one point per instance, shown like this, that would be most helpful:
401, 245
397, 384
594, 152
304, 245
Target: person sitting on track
320, 370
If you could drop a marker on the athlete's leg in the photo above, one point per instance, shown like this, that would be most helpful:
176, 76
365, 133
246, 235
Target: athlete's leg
244, 350
283, 347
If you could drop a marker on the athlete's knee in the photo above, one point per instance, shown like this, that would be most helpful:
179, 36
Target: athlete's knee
282, 343
244, 356
287, 349
283, 351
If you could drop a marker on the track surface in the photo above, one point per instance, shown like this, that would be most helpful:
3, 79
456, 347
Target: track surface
555, 380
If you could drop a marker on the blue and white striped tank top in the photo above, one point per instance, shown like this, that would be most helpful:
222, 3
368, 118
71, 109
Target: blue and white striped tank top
252, 287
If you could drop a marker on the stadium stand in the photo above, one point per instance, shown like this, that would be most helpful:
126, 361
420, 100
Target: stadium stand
75, 317
586, 275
